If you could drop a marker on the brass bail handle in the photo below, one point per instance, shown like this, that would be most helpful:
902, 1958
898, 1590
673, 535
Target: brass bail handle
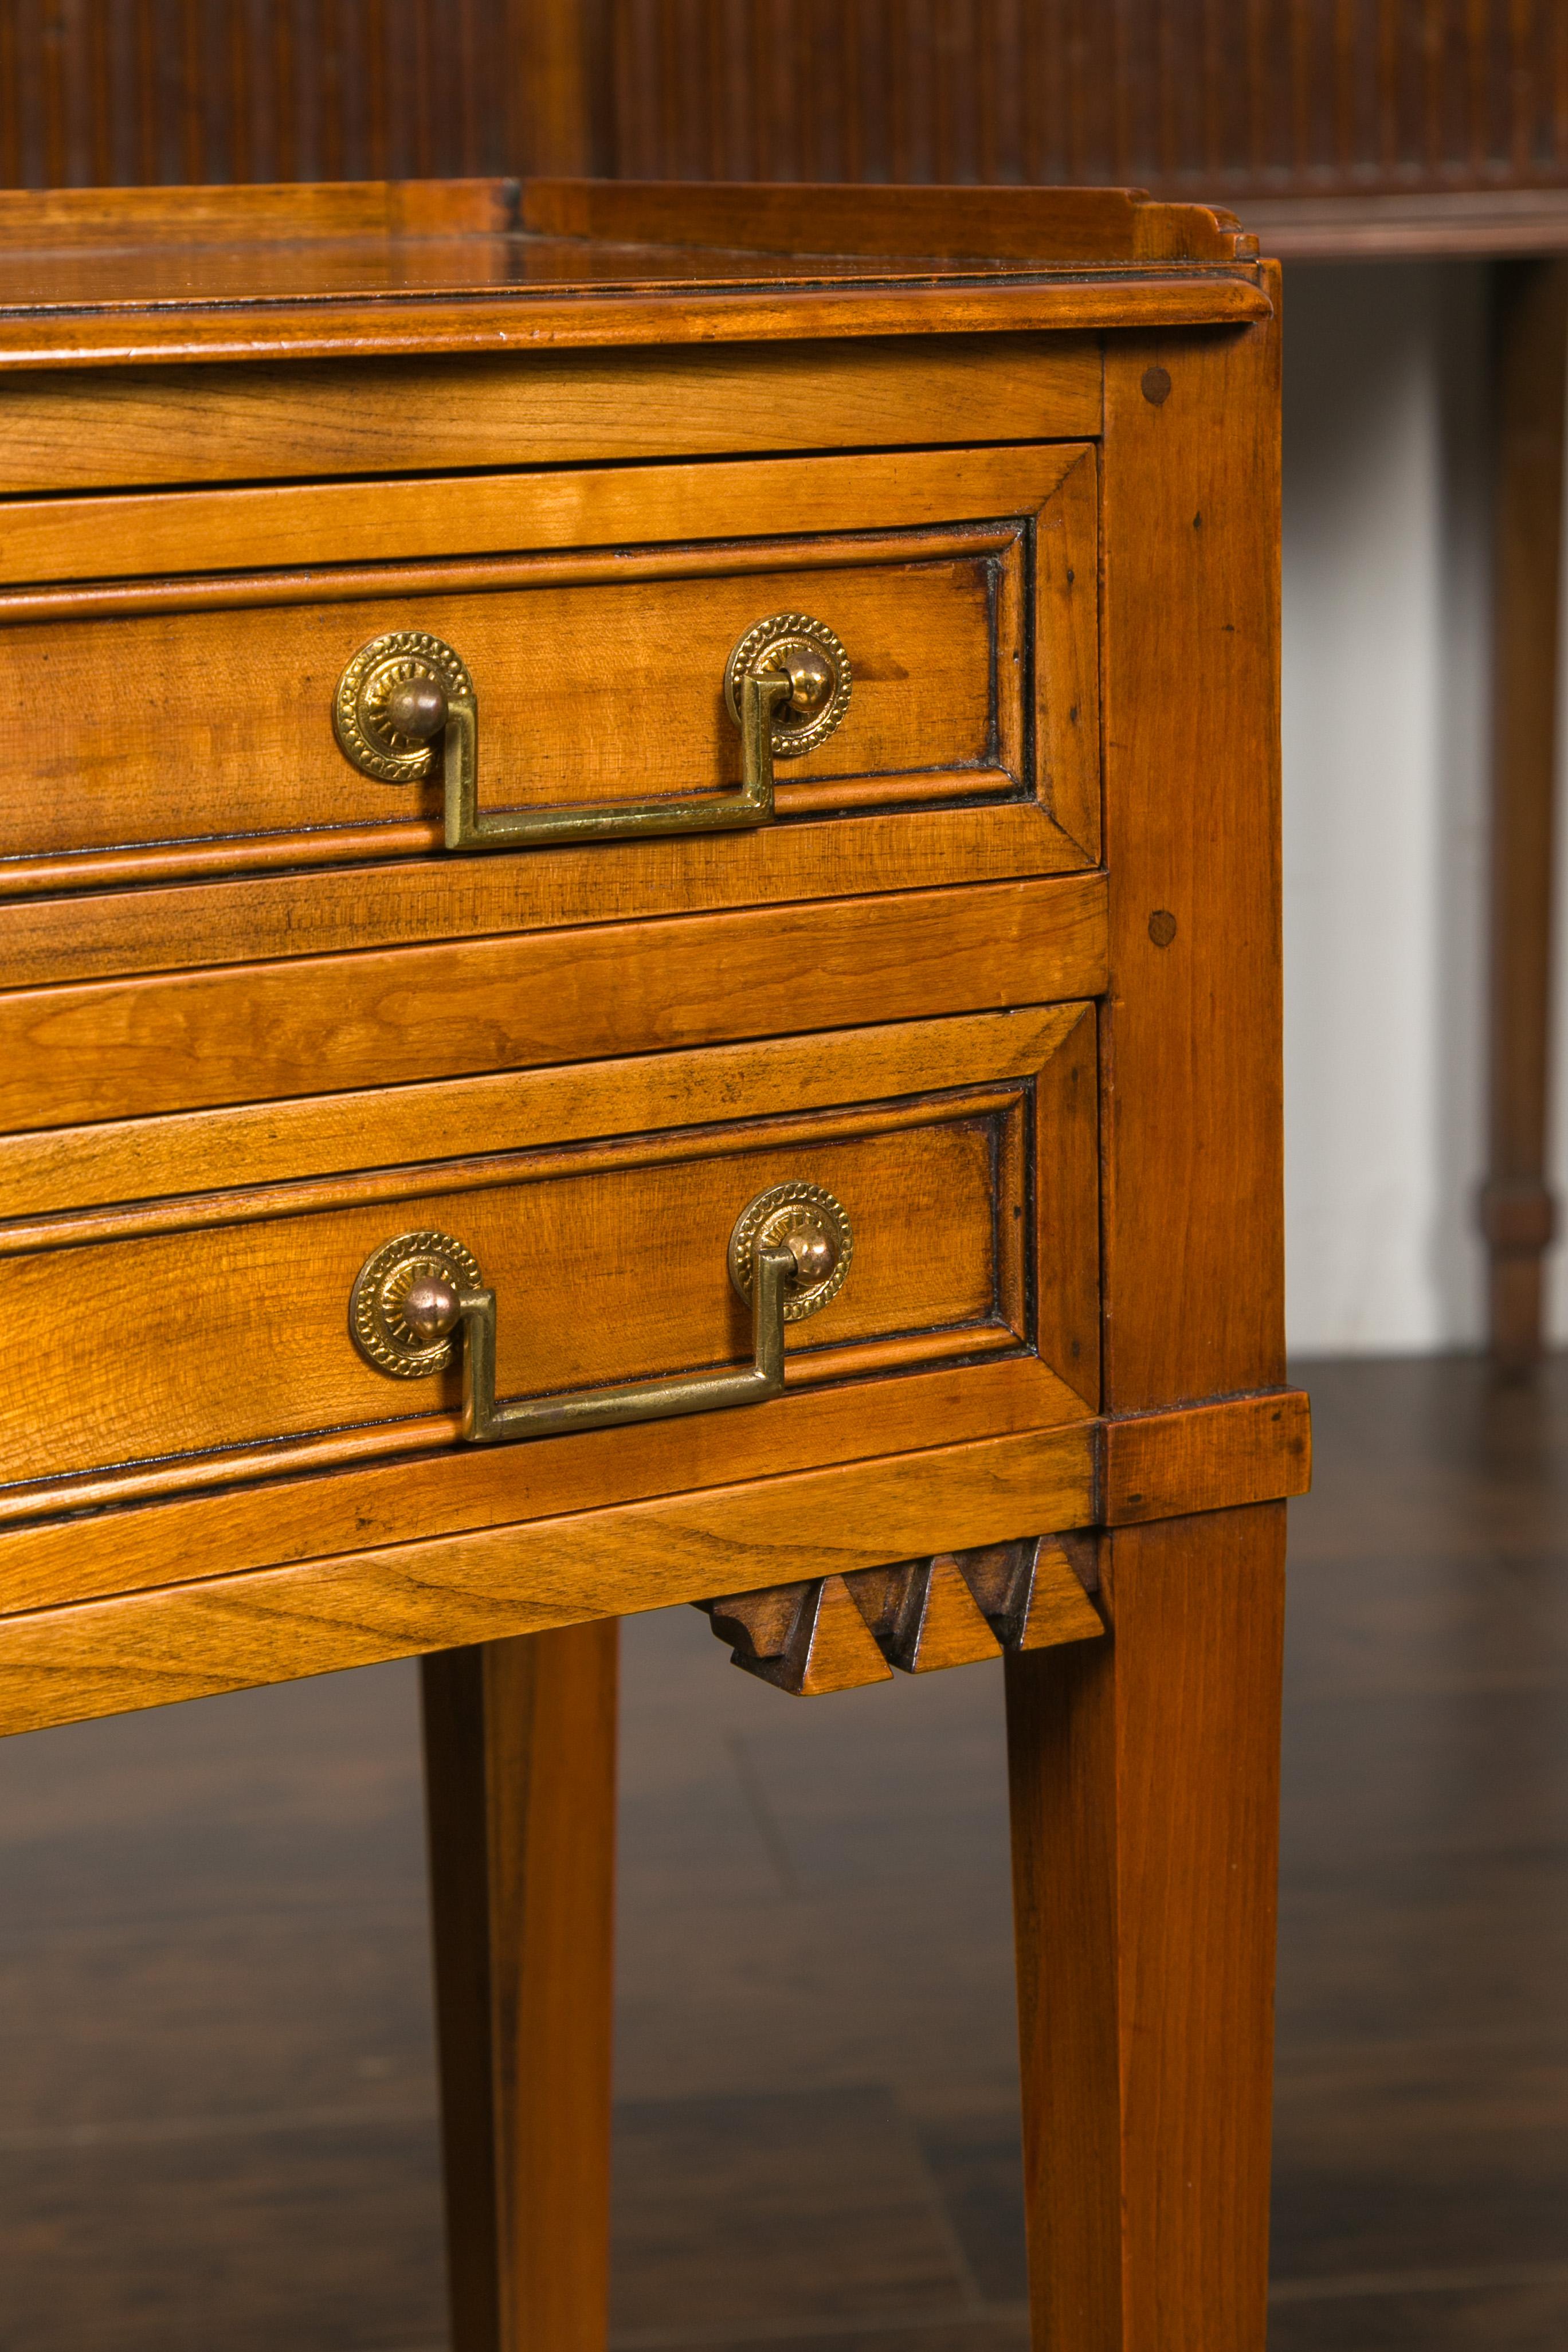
420, 1298
786, 687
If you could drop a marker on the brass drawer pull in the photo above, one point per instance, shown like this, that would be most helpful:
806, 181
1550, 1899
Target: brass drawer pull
786, 687
415, 1299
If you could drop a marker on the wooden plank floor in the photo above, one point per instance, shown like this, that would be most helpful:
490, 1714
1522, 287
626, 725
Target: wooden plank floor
216, 2097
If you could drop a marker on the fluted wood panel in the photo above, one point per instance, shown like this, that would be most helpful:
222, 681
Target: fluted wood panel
109, 92
1244, 96
1282, 95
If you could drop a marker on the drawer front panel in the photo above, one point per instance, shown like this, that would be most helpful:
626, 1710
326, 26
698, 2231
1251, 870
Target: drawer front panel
313, 1026
189, 727
135, 426
609, 1265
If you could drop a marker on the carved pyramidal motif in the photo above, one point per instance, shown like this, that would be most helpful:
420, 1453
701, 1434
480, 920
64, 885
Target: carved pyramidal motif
952, 1608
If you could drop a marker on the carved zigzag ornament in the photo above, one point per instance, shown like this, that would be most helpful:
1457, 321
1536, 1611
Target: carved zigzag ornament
836, 1632
953, 1608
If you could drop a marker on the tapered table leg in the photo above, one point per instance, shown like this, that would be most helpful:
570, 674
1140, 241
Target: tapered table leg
519, 1749
1145, 1781
1529, 368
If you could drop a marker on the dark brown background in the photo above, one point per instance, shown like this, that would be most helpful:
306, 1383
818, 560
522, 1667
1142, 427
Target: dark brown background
1209, 96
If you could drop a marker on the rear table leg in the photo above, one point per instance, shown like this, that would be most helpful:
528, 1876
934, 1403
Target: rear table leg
520, 1756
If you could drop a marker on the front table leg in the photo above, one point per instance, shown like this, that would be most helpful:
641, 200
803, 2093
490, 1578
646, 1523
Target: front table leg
1145, 1784
520, 1754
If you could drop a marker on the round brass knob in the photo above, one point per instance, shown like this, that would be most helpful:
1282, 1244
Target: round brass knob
402, 1310
430, 1307
395, 696
806, 1220
805, 651
417, 706
811, 682
816, 1254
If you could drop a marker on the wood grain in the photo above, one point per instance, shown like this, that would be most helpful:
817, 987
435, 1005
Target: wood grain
158, 1160
1191, 1070
414, 1481
1144, 1776
1205, 1458
104, 920
212, 425
764, 308
142, 1650
1529, 330
121, 1050
587, 695
520, 1762
1086, 224
176, 532
603, 1274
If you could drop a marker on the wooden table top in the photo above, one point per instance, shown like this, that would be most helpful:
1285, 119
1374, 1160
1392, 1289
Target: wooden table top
109, 277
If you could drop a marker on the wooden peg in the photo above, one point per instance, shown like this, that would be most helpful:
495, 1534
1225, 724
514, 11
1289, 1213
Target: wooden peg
808, 1639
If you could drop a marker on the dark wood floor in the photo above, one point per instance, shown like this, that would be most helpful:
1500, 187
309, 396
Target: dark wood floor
216, 2098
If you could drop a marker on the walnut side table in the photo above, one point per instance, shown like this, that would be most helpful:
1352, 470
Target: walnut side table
639, 906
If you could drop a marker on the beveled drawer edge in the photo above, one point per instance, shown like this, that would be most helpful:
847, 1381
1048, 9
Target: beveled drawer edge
109, 1543
233, 1163
144, 1649
318, 1616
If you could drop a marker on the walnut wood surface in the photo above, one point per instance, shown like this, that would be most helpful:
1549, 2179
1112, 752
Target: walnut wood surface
149, 1649
1106, 225
117, 1050
176, 1025
973, 649
411, 1482
1144, 1777
208, 424
1518, 1211
1208, 1458
282, 524
766, 307
210, 1153
520, 1760
273, 289
565, 1254
1192, 1071
608, 1259
955, 1609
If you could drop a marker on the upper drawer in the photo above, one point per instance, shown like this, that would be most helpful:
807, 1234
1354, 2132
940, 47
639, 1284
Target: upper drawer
584, 644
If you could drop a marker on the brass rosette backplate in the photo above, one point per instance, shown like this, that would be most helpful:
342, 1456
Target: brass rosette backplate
772, 1218
366, 737
793, 646
383, 1281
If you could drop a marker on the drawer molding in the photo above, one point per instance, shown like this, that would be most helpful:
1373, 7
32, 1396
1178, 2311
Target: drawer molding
320, 1615
330, 1024
1006, 1164
964, 585
149, 1649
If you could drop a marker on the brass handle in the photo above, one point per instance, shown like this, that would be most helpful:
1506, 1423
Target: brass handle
419, 1297
786, 687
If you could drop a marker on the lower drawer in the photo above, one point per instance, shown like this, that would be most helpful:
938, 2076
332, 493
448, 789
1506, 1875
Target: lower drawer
221, 1341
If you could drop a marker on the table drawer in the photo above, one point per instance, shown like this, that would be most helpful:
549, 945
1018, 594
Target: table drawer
102, 1054
224, 1337
337, 672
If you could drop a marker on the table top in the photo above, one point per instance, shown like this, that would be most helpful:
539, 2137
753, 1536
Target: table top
107, 277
